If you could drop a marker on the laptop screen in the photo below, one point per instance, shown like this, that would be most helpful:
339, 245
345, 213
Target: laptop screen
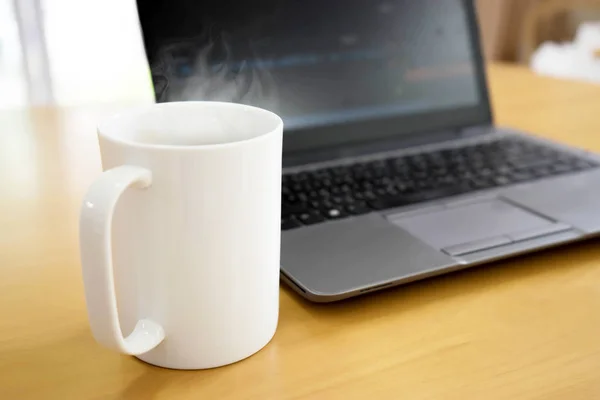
316, 63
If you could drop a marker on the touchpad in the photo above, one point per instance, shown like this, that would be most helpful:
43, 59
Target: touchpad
477, 223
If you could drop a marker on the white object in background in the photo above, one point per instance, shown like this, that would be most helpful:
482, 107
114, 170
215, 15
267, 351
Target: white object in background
96, 52
587, 38
190, 218
13, 83
576, 60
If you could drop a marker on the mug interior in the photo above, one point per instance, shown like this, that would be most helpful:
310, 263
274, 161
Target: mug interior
190, 123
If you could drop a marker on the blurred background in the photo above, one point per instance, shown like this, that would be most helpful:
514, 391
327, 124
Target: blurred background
73, 52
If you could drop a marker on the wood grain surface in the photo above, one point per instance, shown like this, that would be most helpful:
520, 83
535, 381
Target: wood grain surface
527, 328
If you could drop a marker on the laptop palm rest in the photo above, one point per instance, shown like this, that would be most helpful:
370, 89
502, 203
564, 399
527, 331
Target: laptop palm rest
469, 228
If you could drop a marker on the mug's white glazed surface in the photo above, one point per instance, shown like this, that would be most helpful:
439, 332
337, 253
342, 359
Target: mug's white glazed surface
197, 251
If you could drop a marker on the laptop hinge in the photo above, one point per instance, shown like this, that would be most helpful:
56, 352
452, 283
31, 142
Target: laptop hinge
476, 130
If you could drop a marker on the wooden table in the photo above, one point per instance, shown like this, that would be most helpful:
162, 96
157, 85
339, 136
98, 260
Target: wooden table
528, 328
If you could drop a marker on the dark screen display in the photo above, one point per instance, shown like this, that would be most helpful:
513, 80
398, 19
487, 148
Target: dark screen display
314, 62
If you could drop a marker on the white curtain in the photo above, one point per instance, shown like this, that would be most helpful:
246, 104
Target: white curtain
82, 52
12, 80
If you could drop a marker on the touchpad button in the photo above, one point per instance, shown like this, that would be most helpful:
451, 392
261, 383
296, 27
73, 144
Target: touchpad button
483, 222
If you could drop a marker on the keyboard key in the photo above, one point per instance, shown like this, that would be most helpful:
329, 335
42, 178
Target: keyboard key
501, 180
358, 208
302, 198
289, 209
349, 199
290, 198
580, 164
480, 183
289, 223
369, 195
337, 200
561, 168
531, 162
336, 213
310, 217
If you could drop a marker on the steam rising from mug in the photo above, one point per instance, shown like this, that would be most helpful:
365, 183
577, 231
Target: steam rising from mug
215, 74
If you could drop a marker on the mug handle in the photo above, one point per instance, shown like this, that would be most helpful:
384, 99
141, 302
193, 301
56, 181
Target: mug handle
96, 259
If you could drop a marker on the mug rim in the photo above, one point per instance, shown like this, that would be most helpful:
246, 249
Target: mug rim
102, 126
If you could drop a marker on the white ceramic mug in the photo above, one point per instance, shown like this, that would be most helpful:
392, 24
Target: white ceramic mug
188, 213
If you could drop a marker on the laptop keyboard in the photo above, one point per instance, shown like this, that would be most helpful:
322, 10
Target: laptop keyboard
339, 192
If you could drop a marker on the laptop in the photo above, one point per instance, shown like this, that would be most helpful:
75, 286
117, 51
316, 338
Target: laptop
393, 168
